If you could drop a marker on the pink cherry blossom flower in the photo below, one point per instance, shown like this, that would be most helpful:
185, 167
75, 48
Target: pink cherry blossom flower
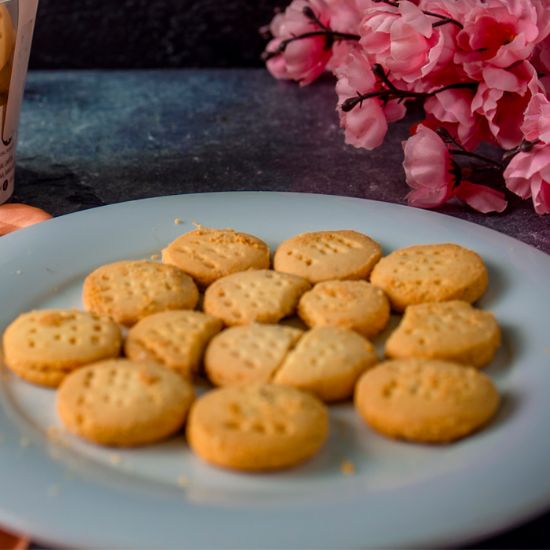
536, 121
428, 169
502, 98
543, 21
403, 39
304, 59
497, 33
480, 197
452, 109
541, 61
366, 124
345, 16
528, 175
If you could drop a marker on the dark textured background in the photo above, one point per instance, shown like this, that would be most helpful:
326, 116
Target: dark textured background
83, 34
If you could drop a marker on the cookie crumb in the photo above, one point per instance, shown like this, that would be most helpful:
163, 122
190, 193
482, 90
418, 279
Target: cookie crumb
115, 459
24, 442
155, 257
54, 433
347, 467
178, 221
53, 490
183, 481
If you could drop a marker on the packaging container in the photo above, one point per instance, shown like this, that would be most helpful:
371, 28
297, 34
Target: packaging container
16, 28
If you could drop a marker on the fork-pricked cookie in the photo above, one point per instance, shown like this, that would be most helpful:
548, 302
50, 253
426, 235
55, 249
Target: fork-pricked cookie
129, 290
430, 273
257, 427
248, 354
425, 400
356, 305
328, 255
208, 254
453, 331
123, 403
258, 296
327, 362
43, 346
175, 339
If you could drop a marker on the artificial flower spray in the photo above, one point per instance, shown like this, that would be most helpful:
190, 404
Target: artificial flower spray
479, 68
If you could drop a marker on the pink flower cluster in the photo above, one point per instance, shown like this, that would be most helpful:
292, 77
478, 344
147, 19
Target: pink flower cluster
480, 68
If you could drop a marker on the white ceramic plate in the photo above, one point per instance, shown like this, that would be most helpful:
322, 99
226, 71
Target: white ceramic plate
78, 495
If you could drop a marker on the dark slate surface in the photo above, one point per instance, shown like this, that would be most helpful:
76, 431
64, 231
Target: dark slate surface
150, 33
94, 138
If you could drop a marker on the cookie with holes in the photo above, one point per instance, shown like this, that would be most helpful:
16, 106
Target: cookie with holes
356, 305
257, 427
425, 400
327, 255
327, 362
208, 254
128, 290
431, 273
454, 331
175, 339
258, 296
43, 346
123, 403
248, 354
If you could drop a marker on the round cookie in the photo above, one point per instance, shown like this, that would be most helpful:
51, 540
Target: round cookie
425, 400
122, 403
257, 427
258, 296
327, 361
128, 290
327, 255
175, 339
209, 254
430, 273
356, 305
453, 331
248, 353
43, 346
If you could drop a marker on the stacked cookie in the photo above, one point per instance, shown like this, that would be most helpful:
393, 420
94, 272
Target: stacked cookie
280, 343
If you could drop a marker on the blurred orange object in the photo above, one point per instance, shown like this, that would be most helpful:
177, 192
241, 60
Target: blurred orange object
12, 542
16, 216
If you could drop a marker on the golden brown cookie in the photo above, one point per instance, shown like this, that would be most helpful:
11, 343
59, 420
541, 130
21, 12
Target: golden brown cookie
209, 254
123, 403
248, 354
453, 331
356, 305
327, 361
175, 339
43, 346
327, 255
430, 273
259, 296
425, 400
128, 290
257, 427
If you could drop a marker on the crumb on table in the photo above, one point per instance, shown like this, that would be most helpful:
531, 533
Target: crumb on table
347, 467
183, 481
